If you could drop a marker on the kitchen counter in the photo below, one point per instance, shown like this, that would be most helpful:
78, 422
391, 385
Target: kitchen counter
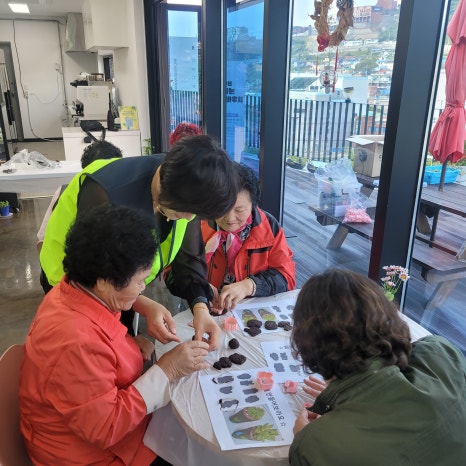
129, 142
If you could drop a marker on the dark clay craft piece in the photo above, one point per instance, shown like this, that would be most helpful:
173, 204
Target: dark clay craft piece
237, 358
233, 343
254, 323
270, 325
253, 331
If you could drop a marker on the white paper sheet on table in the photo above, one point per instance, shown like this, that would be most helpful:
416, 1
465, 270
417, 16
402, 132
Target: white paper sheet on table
226, 397
270, 310
281, 362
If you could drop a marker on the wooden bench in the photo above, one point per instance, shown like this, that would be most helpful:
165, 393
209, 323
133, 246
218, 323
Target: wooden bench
441, 269
362, 229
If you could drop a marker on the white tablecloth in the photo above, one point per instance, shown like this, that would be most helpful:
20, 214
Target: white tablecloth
38, 180
182, 432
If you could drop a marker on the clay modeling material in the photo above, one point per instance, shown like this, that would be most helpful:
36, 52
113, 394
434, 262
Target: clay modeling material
233, 343
270, 325
230, 324
264, 380
253, 331
254, 323
237, 358
291, 386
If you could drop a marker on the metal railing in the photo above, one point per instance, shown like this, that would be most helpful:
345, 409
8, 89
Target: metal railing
316, 130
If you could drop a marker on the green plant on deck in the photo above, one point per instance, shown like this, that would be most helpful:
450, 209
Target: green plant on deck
4, 203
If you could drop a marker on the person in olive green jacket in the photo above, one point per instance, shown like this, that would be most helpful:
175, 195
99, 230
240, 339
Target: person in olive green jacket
385, 400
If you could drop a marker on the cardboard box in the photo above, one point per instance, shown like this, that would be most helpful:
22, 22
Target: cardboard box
368, 150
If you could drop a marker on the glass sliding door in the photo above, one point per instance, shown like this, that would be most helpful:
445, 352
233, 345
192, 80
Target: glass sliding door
335, 95
243, 83
183, 66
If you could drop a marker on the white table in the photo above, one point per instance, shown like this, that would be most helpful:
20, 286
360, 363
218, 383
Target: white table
182, 432
29, 179
129, 142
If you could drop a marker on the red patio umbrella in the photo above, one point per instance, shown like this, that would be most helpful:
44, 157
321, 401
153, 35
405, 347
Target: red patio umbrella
448, 136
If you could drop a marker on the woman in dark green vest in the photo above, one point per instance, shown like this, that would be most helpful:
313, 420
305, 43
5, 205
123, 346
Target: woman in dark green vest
195, 179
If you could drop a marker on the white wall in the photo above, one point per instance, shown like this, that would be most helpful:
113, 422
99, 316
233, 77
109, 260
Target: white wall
130, 67
37, 53
40, 48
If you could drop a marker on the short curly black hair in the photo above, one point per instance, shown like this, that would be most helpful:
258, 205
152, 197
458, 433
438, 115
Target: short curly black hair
248, 182
341, 320
198, 177
111, 242
99, 150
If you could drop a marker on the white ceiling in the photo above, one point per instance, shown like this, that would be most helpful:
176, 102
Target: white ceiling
41, 8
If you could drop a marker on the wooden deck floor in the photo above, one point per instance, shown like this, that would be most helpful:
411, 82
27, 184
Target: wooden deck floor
308, 240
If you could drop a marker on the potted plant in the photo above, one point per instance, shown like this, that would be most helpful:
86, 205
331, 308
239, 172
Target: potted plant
4, 208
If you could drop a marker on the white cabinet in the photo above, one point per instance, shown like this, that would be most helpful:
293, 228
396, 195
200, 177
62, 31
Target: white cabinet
129, 142
105, 24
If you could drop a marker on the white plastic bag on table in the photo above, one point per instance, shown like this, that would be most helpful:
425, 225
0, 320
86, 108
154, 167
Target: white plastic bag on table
34, 159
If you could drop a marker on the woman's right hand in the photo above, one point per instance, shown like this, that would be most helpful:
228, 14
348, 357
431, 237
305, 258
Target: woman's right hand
184, 359
314, 386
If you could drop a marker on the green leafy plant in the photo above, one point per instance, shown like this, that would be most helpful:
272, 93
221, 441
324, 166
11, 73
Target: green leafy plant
148, 148
4, 203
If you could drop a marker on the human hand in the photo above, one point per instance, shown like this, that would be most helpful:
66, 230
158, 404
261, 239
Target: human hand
233, 293
303, 419
204, 323
314, 386
145, 345
184, 359
215, 305
160, 323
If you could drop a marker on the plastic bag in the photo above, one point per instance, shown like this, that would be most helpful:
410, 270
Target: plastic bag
337, 184
339, 172
34, 158
356, 212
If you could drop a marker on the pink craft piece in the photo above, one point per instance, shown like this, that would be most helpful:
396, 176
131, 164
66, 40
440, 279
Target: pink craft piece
291, 386
265, 380
230, 324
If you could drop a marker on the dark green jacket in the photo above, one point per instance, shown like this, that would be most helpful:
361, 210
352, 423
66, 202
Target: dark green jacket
386, 417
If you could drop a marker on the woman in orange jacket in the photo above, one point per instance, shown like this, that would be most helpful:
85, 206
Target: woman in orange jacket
246, 250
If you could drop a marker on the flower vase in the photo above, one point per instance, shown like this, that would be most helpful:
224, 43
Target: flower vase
389, 295
5, 211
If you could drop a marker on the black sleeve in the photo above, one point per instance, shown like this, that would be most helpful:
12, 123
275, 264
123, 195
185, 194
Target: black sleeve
187, 276
90, 195
269, 282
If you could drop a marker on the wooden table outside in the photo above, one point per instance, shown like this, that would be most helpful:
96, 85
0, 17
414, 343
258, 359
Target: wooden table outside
452, 199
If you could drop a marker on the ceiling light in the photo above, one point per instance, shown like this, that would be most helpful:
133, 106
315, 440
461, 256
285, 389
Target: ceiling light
19, 8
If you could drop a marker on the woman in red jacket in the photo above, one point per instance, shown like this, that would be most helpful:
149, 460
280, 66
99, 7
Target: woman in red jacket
246, 250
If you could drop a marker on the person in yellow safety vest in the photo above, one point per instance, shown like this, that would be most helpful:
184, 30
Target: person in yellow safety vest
195, 179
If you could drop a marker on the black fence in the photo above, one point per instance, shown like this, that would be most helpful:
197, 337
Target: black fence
316, 130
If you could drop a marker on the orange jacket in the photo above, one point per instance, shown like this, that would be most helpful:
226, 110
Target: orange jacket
77, 402
264, 256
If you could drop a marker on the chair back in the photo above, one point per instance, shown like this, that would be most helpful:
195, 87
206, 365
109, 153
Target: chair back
12, 449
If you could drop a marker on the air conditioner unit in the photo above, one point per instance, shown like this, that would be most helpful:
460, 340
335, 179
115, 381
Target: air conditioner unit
74, 33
